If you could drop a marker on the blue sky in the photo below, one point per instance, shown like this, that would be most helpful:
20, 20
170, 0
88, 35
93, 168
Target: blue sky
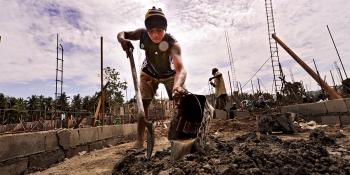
28, 47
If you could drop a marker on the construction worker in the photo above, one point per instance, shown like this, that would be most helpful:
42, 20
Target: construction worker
220, 90
163, 62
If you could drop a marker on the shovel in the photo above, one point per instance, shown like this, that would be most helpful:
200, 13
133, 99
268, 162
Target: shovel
141, 112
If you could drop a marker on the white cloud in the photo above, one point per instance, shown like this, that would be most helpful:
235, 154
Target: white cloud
28, 46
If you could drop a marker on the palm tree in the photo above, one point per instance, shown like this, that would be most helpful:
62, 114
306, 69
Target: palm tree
76, 104
32, 105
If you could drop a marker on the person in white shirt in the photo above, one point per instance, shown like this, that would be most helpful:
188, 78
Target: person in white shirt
220, 90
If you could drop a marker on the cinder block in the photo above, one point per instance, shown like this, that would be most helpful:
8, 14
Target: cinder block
96, 145
220, 114
45, 160
312, 108
347, 102
129, 129
289, 108
51, 140
88, 135
19, 145
118, 131
345, 119
18, 167
316, 108
242, 114
105, 132
330, 120
75, 151
68, 138
317, 119
337, 105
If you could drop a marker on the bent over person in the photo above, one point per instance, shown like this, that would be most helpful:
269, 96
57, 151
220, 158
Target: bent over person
162, 64
220, 90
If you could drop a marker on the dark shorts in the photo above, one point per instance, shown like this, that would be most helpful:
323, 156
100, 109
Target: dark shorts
149, 85
220, 102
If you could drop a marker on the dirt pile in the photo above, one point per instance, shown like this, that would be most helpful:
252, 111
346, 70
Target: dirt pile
248, 154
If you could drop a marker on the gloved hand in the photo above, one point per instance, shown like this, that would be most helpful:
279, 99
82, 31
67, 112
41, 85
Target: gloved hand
210, 78
126, 45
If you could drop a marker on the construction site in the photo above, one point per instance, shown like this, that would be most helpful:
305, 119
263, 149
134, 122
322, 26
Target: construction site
290, 130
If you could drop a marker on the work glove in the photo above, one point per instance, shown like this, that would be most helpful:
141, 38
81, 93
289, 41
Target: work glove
210, 78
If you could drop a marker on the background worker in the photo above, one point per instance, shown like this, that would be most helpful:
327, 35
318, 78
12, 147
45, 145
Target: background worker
220, 90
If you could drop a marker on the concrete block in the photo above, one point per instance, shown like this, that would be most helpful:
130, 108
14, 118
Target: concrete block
316, 108
317, 119
347, 102
75, 151
285, 109
304, 109
290, 108
20, 145
242, 114
88, 135
51, 140
96, 145
68, 138
38, 162
118, 131
337, 105
129, 129
111, 142
345, 119
220, 114
105, 132
330, 120
17, 167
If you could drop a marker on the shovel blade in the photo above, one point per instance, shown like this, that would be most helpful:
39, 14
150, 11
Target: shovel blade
180, 148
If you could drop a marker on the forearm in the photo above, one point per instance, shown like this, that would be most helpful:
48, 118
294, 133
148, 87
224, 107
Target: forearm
129, 35
121, 37
180, 78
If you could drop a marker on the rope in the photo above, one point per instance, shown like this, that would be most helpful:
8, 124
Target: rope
256, 72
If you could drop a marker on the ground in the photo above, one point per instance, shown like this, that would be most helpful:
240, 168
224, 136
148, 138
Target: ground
233, 148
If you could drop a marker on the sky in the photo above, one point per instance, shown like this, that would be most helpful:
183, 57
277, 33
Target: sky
28, 30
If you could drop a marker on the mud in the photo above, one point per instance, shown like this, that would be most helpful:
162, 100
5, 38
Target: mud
248, 154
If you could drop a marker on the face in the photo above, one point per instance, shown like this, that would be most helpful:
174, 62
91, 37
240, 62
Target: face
156, 34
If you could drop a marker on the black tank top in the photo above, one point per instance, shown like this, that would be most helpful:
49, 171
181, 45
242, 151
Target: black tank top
157, 63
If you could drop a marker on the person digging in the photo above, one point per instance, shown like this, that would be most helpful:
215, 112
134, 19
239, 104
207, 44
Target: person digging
163, 62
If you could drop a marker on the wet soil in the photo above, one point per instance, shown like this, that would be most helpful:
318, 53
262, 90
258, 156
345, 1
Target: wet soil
250, 153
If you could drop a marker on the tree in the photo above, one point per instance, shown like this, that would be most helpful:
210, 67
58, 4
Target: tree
32, 105
62, 102
76, 103
2, 101
114, 95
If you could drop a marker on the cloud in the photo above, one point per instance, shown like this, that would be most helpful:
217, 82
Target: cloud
29, 28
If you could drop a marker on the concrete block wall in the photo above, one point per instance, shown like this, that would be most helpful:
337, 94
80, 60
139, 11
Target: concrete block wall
220, 114
327, 112
28, 152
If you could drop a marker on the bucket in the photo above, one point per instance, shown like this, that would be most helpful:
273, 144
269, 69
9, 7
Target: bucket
187, 118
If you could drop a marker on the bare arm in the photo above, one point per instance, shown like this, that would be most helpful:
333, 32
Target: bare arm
129, 35
180, 75
217, 76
